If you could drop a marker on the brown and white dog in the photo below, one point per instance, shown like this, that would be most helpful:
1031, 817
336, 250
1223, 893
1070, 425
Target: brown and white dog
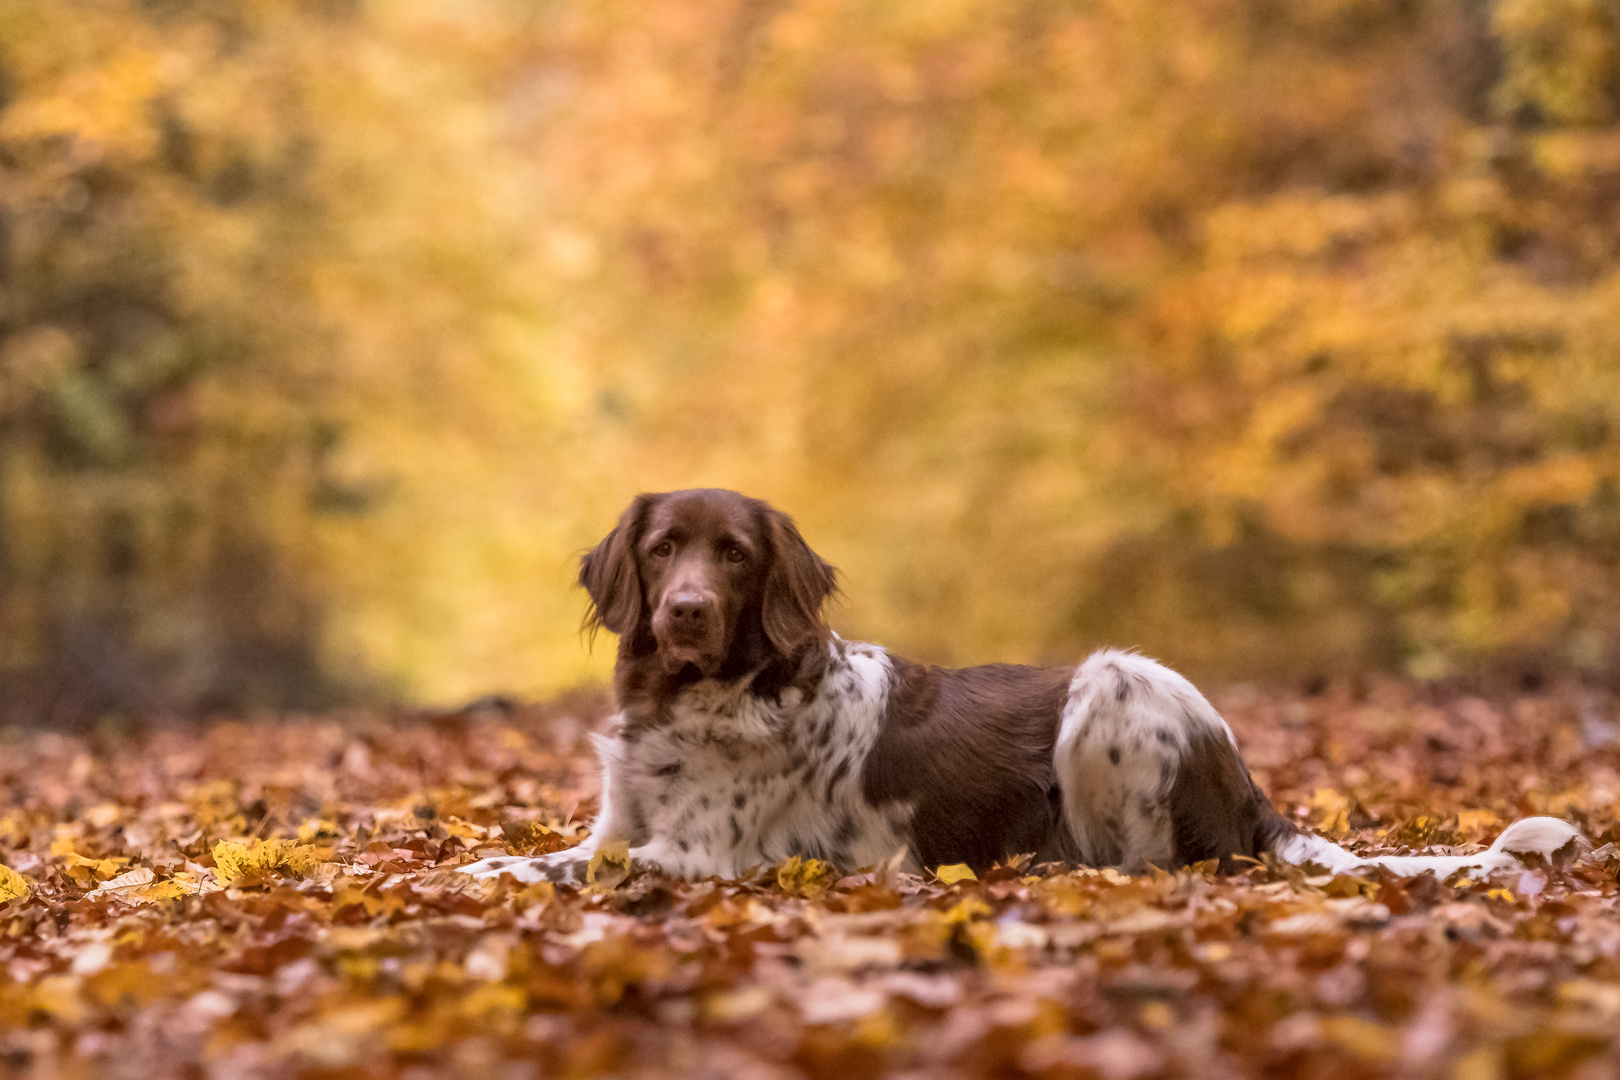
749, 732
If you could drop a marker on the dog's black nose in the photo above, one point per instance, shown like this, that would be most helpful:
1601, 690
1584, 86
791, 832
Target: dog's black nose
688, 609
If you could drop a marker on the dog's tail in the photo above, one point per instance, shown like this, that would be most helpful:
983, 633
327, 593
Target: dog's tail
1540, 835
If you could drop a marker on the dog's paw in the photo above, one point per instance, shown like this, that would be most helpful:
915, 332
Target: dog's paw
560, 867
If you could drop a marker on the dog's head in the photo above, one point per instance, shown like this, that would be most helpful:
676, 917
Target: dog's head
709, 579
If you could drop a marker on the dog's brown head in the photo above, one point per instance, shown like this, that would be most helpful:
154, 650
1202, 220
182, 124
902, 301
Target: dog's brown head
709, 582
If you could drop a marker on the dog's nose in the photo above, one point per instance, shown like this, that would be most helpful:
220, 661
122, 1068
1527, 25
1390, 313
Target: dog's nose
688, 609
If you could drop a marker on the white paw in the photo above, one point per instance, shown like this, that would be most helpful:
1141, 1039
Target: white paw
560, 866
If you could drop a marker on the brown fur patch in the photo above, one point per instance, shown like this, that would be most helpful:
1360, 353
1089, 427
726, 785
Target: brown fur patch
971, 750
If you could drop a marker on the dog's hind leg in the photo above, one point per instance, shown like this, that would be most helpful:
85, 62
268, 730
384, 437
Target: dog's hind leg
1149, 773
1150, 776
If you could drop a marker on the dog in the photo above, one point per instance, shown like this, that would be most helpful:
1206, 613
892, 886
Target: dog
748, 732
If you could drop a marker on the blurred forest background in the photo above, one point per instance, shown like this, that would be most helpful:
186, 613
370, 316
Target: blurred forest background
1275, 337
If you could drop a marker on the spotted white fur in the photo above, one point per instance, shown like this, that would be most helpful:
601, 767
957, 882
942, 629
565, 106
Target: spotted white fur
734, 781
1121, 738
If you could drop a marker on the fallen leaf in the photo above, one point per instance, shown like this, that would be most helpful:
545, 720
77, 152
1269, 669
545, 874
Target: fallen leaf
609, 865
13, 886
85, 870
1330, 811
805, 877
234, 860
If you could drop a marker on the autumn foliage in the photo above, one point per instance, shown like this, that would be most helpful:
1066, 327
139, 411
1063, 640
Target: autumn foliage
1271, 337
1276, 338
280, 899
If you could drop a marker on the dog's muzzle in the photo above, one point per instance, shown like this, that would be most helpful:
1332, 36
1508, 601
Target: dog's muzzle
688, 628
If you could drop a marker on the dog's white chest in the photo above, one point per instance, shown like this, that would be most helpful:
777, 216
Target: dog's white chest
734, 781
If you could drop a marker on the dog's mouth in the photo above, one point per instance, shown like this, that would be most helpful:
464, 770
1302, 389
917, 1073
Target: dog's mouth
699, 643
677, 656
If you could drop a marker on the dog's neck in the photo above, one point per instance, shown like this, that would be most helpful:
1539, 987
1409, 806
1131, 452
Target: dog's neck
646, 689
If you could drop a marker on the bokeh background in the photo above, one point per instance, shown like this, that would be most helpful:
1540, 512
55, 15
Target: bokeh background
1279, 338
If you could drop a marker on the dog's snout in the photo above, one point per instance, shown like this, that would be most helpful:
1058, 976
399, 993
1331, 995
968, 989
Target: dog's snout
689, 609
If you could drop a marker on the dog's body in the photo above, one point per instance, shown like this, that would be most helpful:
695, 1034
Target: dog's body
748, 732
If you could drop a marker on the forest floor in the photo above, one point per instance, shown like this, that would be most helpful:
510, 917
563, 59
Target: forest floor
277, 896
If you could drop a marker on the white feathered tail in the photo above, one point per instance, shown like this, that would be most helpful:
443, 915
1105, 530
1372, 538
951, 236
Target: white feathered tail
1543, 835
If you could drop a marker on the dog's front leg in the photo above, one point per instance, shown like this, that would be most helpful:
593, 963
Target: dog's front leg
562, 867
614, 821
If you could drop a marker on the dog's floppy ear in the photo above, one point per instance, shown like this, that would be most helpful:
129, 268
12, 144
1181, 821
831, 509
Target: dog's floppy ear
608, 573
797, 584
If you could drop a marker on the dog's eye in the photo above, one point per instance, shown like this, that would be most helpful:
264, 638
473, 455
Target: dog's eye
664, 550
735, 554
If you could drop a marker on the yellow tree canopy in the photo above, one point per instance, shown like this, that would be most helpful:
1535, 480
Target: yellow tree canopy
1265, 337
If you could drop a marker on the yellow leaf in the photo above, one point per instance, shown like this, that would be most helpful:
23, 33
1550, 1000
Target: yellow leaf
1065, 896
1565, 479
1330, 811
13, 886
805, 877
1473, 823
967, 909
1361, 1039
466, 830
610, 865
169, 889
214, 804
541, 892
730, 1006
950, 875
230, 860
13, 830
356, 895
85, 870
491, 1001
103, 814
233, 860
877, 1031
316, 828
1482, 1064
140, 887
58, 995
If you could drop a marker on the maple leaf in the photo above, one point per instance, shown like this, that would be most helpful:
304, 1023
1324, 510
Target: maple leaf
955, 872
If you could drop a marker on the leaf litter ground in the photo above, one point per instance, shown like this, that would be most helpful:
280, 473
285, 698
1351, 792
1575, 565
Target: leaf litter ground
279, 898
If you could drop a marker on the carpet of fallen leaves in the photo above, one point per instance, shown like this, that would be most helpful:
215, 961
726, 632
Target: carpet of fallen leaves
278, 897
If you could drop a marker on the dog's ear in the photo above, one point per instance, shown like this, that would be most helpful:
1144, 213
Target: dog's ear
609, 575
797, 584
